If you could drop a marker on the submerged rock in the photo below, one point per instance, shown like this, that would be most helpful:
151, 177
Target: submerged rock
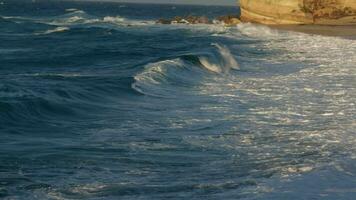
321, 12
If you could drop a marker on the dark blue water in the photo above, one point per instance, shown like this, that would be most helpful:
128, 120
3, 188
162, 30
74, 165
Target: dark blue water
99, 102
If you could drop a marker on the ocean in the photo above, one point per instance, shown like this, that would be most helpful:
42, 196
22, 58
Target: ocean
97, 101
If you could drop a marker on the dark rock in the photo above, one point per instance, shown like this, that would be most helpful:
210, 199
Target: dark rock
163, 21
229, 19
185, 20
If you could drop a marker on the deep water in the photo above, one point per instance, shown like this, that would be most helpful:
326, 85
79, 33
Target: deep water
99, 102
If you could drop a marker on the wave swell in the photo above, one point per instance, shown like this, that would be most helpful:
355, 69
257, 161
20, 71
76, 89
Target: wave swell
164, 76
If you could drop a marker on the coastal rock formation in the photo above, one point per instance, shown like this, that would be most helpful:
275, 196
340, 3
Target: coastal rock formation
185, 20
321, 12
228, 20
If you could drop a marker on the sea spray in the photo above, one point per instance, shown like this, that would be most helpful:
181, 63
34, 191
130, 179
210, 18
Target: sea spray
228, 59
221, 62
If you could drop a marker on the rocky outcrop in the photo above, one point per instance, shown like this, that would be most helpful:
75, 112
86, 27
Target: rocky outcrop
321, 12
185, 20
227, 20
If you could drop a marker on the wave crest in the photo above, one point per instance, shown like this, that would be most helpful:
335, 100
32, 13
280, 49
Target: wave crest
222, 62
155, 80
56, 30
162, 78
74, 10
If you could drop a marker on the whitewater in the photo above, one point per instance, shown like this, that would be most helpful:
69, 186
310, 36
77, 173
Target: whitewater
97, 101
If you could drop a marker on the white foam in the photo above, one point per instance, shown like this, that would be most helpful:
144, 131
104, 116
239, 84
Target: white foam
305, 111
209, 28
56, 30
74, 19
229, 60
69, 21
155, 71
71, 10
116, 19
63, 75
210, 65
16, 17
76, 11
151, 80
79, 17
221, 63
258, 31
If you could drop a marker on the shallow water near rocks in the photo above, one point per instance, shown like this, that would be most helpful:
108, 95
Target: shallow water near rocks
99, 102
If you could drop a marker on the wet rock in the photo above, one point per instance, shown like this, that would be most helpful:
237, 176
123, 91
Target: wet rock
229, 20
185, 20
198, 20
163, 21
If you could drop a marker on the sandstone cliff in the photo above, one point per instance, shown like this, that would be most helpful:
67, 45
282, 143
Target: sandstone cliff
322, 12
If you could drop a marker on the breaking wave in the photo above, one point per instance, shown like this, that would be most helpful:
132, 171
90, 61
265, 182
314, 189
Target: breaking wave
75, 17
79, 17
294, 105
222, 63
164, 76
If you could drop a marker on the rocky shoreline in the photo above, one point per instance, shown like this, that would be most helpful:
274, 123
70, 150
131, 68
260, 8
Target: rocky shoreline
322, 17
228, 20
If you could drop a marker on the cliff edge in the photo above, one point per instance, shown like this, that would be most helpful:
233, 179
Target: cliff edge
319, 12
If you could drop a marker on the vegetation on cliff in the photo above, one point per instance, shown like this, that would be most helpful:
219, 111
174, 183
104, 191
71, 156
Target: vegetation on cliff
327, 12
332, 9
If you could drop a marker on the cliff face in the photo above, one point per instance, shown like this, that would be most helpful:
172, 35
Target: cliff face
322, 12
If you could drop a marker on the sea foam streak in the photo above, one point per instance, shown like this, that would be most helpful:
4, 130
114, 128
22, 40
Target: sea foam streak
116, 19
56, 30
71, 10
82, 18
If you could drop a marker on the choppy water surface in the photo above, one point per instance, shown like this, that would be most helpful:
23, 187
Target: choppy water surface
98, 102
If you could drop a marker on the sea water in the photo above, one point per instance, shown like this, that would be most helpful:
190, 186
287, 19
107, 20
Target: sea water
99, 102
